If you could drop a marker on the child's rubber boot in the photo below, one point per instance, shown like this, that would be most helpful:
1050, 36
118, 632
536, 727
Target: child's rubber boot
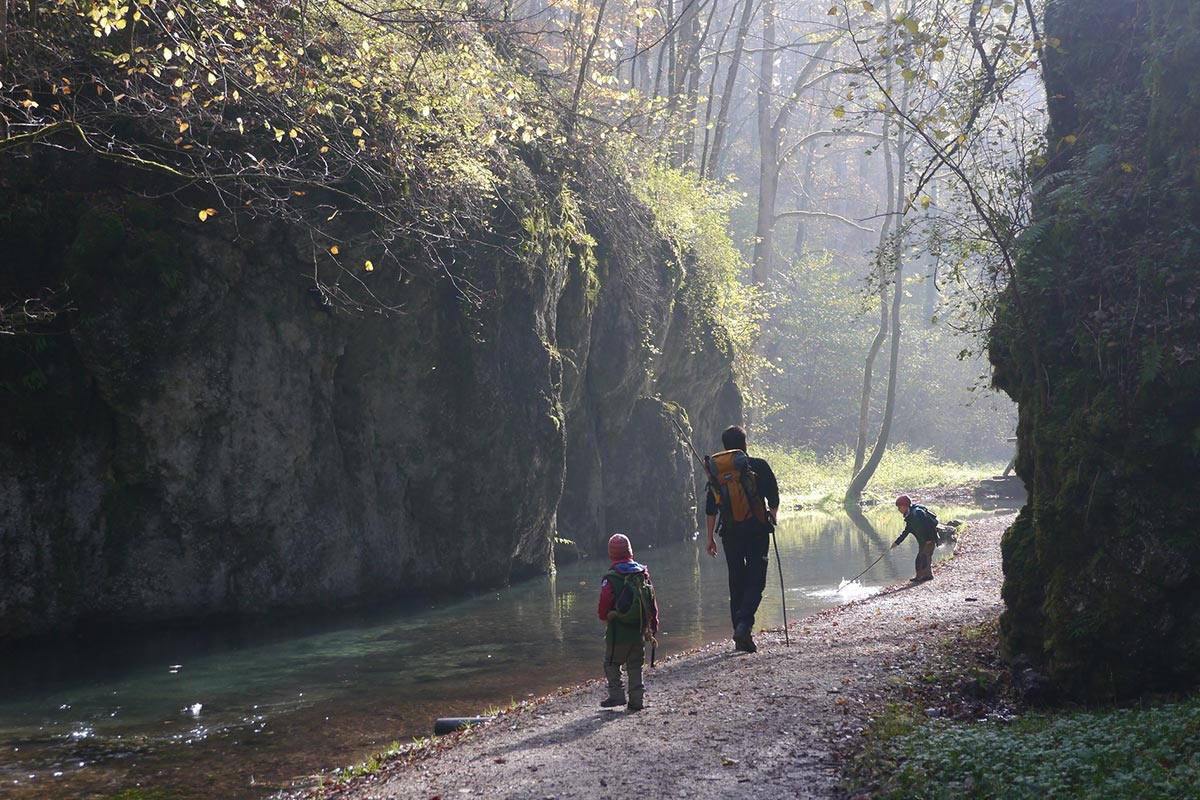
637, 691
616, 690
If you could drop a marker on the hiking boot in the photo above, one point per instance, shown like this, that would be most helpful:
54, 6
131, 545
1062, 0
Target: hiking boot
742, 640
635, 705
612, 701
747, 645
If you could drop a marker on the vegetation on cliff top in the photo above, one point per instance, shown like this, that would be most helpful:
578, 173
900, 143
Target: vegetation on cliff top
389, 134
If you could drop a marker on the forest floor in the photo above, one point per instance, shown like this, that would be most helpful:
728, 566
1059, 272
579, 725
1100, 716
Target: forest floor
785, 722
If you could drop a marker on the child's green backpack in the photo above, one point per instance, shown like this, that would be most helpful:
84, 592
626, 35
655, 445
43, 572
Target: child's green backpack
635, 598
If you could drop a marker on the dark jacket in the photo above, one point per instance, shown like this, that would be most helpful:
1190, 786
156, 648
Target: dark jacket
921, 523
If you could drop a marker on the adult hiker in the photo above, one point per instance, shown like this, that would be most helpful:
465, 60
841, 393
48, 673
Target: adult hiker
743, 491
922, 524
628, 605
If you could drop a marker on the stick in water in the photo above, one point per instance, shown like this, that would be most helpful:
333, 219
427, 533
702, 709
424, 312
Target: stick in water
846, 583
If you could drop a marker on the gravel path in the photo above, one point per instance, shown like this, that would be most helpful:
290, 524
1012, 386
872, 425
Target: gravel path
718, 724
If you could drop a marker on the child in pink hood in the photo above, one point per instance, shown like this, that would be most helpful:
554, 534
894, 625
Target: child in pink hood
628, 605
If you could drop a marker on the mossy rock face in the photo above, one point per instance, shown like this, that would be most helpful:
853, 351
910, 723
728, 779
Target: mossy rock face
201, 438
1098, 340
634, 353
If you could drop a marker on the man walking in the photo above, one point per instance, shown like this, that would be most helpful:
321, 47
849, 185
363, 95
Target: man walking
744, 492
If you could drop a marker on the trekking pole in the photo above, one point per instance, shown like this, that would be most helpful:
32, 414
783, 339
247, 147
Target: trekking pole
687, 440
782, 591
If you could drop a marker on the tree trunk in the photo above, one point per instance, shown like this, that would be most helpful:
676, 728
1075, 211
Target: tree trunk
718, 138
770, 136
864, 475
768, 151
864, 407
584, 65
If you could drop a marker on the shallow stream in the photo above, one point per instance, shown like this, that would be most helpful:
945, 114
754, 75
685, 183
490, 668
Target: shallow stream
239, 712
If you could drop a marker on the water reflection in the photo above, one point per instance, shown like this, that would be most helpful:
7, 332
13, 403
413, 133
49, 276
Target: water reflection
241, 711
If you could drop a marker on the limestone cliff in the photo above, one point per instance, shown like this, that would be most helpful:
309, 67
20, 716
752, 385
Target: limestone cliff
204, 435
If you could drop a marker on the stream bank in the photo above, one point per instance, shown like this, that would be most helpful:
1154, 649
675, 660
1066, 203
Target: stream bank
776, 724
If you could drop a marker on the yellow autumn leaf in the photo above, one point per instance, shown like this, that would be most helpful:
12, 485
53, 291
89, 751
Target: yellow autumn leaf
183, 126
1070, 139
839, 112
334, 250
368, 266
1126, 166
206, 213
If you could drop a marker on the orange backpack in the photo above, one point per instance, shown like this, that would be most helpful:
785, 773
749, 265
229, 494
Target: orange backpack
735, 488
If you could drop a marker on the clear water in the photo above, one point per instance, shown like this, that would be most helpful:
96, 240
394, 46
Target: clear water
240, 712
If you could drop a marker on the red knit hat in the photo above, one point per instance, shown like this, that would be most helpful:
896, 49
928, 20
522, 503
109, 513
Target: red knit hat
619, 548
903, 501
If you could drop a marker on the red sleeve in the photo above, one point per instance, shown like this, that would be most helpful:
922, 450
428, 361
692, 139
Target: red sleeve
606, 599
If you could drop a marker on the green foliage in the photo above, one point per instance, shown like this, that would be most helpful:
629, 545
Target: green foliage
803, 474
373, 763
693, 215
357, 123
1133, 753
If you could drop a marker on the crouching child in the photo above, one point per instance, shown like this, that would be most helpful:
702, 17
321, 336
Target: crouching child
628, 605
923, 525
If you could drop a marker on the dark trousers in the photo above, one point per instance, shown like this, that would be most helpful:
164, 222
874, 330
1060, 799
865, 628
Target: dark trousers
746, 560
925, 559
633, 656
